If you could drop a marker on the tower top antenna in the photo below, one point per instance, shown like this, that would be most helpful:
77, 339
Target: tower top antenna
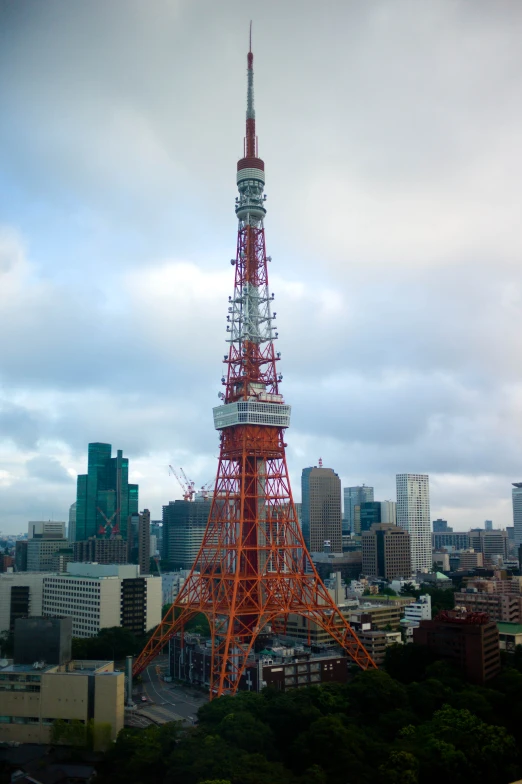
250, 39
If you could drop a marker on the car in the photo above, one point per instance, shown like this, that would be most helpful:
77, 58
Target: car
143, 698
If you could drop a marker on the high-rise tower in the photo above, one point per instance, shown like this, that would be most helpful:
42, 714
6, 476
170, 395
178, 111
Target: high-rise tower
254, 568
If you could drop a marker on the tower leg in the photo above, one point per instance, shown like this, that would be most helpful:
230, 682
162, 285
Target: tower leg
174, 621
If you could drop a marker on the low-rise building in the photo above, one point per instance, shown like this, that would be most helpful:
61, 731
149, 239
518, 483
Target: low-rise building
278, 668
376, 641
419, 611
509, 636
468, 640
33, 697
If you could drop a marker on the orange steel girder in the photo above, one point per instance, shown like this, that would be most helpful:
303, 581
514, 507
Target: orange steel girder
253, 567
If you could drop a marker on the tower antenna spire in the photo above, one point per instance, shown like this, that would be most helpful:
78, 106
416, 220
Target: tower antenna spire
250, 135
253, 569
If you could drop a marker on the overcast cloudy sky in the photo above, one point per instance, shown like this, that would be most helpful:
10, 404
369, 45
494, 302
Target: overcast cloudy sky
391, 134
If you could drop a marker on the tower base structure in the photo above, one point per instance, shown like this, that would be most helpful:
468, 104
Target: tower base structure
252, 572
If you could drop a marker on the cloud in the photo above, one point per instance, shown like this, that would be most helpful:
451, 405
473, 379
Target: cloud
49, 469
391, 141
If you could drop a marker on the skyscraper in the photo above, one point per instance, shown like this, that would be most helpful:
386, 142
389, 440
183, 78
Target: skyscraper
71, 530
441, 526
488, 525
184, 524
413, 514
517, 511
321, 509
370, 514
389, 512
355, 496
104, 499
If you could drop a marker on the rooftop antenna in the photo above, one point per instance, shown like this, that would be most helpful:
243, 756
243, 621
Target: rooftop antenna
250, 39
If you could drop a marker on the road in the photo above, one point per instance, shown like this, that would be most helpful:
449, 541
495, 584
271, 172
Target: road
167, 701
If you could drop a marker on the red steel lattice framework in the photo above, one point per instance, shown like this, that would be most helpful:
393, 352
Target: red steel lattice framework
253, 568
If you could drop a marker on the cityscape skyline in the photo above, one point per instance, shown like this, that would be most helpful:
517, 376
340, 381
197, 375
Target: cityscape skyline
413, 363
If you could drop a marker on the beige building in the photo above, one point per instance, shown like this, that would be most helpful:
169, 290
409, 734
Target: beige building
469, 559
321, 510
32, 699
386, 551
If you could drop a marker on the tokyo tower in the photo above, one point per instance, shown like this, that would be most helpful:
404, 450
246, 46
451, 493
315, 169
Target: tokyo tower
253, 568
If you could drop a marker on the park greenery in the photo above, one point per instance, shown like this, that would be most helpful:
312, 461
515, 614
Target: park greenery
416, 722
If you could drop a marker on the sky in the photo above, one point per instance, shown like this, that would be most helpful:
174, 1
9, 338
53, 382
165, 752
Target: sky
391, 138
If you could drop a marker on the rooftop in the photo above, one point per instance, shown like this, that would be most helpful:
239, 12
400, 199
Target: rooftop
509, 628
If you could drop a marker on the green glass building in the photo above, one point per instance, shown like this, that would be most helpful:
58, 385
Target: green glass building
104, 490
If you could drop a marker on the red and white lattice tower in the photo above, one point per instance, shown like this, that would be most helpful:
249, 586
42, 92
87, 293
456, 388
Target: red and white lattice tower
253, 568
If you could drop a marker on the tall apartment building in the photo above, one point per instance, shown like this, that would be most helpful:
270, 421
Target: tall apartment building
46, 529
488, 525
184, 524
103, 551
441, 526
321, 510
40, 553
389, 512
516, 495
386, 552
413, 514
355, 496
104, 493
20, 595
96, 596
140, 540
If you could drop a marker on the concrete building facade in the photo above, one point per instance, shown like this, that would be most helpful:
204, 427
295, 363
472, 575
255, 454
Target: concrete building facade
32, 699
386, 552
321, 510
40, 553
473, 646
46, 529
97, 596
21, 594
413, 514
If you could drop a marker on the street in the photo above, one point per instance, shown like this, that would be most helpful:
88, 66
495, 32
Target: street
166, 701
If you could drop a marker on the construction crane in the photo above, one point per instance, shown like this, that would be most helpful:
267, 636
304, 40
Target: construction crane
205, 489
186, 486
191, 485
108, 523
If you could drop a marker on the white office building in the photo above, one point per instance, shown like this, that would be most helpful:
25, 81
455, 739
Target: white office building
97, 596
413, 514
20, 595
419, 610
389, 512
517, 511
46, 529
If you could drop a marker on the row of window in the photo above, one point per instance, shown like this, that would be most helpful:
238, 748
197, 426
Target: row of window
32, 720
